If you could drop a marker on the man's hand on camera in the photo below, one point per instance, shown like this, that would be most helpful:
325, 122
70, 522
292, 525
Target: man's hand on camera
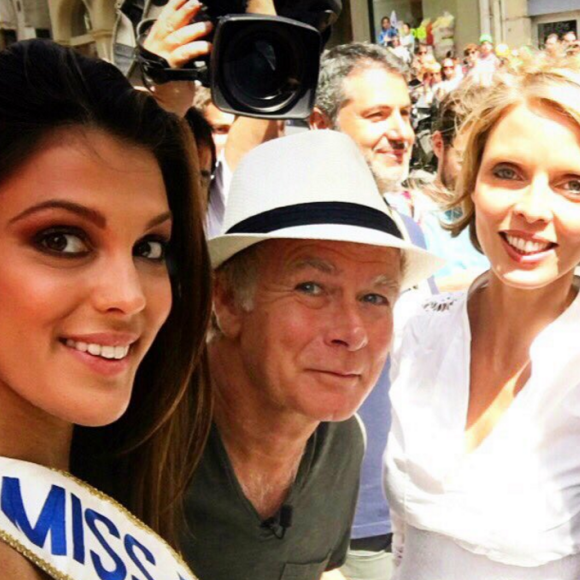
175, 38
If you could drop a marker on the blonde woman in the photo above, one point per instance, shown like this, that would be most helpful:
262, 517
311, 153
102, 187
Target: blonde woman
482, 464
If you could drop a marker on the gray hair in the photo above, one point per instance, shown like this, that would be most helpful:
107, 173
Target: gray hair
239, 275
339, 62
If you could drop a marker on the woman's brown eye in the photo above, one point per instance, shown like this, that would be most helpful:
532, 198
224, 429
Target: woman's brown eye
64, 243
152, 249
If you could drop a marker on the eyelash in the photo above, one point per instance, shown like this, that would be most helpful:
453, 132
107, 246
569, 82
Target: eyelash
500, 168
383, 300
40, 240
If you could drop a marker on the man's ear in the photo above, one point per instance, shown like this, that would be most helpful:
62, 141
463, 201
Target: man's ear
438, 144
319, 119
227, 311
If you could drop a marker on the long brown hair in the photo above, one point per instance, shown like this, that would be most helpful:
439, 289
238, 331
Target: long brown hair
145, 459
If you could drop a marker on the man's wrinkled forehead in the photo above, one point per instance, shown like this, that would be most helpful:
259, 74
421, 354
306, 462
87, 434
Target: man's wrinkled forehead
332, 257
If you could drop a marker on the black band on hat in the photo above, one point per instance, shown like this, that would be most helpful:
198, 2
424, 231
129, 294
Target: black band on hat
319, 212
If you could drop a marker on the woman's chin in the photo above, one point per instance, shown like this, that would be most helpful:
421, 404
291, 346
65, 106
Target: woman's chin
98, 415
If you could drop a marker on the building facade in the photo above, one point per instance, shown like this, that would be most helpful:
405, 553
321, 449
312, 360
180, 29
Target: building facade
22, 19
88, 25
514, 22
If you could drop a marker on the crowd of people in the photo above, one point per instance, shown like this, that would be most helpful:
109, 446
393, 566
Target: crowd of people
435, 77
232, 352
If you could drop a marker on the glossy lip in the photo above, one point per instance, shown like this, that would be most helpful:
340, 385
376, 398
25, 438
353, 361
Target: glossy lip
530, 259
97, 364
100, 365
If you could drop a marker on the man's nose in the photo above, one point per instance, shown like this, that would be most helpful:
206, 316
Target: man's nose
399, 128
347, 328
118, 287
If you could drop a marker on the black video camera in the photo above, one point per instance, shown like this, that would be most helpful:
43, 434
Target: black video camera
260, 66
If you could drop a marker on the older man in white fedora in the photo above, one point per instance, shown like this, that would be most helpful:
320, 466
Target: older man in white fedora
307, 271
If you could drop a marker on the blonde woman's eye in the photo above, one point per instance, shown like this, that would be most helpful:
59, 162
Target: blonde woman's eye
503, 172
573, 186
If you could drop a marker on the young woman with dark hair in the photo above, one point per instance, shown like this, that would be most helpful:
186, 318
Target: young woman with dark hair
105, 286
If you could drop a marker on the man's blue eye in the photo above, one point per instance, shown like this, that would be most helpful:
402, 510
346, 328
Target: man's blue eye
309, 288
376, 299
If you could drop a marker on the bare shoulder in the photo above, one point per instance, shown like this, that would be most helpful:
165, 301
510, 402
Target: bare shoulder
14, 565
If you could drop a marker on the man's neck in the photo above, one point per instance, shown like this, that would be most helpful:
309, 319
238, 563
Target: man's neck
264, 443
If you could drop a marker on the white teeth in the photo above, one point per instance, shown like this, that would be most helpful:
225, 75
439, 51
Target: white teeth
108, 352
526, 246
121, 352
95, 349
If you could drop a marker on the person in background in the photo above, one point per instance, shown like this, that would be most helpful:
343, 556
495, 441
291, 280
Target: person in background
430, 76
569, 39
552, 44
173, 37
482, 469
106, 297
469, 58
487, 62
387, 32
205, 145
407, 38
452, 77
463, 262
400, 51
420, 59
220, 122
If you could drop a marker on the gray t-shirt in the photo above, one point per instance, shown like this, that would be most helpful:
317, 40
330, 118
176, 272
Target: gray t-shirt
229, 541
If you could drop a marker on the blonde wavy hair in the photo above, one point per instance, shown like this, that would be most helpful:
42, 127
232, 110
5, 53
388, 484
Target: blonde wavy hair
553, 81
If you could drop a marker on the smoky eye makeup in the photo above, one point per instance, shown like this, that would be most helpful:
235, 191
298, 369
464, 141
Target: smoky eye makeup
62, 241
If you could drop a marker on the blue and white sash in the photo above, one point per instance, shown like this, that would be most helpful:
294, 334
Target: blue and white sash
73, 532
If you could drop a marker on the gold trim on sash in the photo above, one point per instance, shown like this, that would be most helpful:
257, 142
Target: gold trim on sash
56, 564
24, 551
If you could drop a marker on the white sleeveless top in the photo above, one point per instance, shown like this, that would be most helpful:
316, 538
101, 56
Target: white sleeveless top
512, 504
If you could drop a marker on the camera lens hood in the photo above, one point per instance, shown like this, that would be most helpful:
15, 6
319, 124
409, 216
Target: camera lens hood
265, 66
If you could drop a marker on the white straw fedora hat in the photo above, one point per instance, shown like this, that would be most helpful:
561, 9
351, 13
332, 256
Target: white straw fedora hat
314, 185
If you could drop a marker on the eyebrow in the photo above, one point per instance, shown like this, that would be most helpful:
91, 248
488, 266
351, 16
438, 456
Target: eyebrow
316, 263
92, 215
387, 282
382, 280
